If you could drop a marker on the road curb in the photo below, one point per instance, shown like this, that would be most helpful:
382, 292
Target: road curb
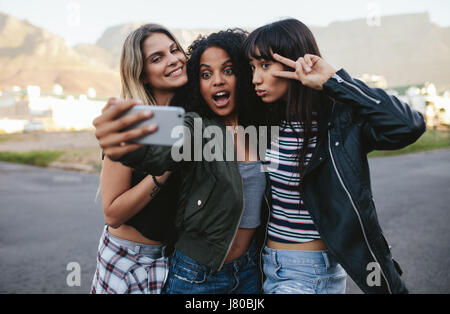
73, 167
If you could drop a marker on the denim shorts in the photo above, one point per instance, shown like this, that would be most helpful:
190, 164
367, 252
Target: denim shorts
240, 276
302, 272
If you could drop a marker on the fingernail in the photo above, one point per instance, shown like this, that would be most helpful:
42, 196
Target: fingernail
152, 127
147, 113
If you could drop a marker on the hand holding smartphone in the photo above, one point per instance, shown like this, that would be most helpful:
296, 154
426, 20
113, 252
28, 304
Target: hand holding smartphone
166, 118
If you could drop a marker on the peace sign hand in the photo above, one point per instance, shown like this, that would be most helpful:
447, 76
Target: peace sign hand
312, 71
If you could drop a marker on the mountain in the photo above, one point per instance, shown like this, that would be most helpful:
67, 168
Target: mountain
30, 55
405, 49
113, 38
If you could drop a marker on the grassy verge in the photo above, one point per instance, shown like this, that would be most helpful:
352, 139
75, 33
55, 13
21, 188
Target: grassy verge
35, 158
431, 140
5, 138
71, 158
82, 156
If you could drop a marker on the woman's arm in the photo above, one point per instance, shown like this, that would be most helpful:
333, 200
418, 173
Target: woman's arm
120, 203
388, 123
157, 159
116, 144
108, 127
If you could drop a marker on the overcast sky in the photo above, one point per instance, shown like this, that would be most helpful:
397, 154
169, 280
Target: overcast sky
83, 21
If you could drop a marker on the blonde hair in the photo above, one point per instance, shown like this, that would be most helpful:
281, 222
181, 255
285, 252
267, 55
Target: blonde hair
132, 68
132, 63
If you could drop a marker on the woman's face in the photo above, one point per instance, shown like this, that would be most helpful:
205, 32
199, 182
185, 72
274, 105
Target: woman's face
267, 86
164, 63
217, 81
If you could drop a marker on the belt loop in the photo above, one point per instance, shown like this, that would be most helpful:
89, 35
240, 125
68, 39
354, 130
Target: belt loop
274, 257
137, 249
164, 251
327, 261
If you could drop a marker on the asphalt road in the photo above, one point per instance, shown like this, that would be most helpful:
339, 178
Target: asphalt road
49, 218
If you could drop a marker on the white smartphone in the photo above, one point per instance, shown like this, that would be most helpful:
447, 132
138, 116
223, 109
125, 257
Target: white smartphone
170, 121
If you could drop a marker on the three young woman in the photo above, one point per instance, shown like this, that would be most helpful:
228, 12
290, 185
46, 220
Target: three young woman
322, 217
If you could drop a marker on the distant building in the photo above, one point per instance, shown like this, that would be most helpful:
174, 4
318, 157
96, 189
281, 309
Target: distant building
12, 125
91, 93
12, 106
377, 81
437, 108
429, 89
33, 91
22, 110
57, 89
74, 114
37, 104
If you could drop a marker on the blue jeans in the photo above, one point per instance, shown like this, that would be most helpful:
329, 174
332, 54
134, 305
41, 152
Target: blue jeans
241, 276
302, 272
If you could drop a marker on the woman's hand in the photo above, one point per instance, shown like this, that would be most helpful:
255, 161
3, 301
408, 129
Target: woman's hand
113, 142
164, 177
312, 71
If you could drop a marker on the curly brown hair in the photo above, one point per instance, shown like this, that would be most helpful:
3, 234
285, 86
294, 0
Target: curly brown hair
231, 41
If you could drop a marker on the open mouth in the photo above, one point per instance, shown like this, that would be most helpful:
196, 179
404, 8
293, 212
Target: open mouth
221, 99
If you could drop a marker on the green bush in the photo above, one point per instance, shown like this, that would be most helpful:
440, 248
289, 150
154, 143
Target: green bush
430, 140
35, 158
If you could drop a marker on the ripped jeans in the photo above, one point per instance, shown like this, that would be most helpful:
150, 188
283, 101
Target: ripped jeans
302, 272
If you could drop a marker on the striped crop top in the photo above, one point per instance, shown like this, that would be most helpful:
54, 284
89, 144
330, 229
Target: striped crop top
290, 221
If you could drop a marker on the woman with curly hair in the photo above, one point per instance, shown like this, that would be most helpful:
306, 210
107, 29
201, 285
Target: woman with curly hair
219, 218
323, 222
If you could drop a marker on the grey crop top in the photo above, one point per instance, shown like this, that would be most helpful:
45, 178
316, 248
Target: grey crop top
254, 186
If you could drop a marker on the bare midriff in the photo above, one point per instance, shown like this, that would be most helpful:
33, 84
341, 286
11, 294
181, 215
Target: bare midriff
240, 244
129, 233
315, 245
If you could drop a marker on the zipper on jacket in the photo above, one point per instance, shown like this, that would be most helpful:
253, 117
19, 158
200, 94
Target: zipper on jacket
237, 226
340, 80
356, 211
265, 238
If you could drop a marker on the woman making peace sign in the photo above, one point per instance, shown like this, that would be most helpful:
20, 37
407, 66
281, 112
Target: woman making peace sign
323, 222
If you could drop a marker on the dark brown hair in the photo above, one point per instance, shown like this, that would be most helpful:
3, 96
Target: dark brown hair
292, 39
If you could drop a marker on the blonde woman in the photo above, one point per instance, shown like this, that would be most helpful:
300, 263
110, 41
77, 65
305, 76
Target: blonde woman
139, 208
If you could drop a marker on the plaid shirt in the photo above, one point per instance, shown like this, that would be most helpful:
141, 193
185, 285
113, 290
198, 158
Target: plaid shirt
122, 271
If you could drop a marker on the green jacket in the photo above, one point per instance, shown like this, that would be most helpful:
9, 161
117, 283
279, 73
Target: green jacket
211, 199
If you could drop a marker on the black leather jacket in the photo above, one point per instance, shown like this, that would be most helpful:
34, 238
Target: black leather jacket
337, 187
